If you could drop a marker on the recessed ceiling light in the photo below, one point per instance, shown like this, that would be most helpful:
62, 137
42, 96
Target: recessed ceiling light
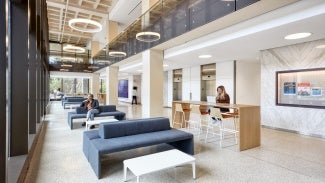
165, 65
320, 46
205, 56
298, 35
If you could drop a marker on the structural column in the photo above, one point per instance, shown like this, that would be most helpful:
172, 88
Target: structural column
38, 61
112, 85
3, 92
32, 68
112, 30
152, 83
95, 84
19, 79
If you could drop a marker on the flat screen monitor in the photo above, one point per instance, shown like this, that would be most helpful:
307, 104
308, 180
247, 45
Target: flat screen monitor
211, 99
123, 88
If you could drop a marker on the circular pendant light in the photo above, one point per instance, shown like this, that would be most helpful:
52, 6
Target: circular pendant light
117, 54
73, 49
73, 22
148, 36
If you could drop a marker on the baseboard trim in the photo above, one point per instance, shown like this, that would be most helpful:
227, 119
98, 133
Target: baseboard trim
32, 161
294, 131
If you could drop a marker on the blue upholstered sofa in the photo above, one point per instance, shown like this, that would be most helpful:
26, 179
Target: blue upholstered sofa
105, 110
70, 101
130, 134
65, 98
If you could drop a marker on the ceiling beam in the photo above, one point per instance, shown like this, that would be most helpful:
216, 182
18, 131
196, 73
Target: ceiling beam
60, 23
71, 34
96, 4
77, 8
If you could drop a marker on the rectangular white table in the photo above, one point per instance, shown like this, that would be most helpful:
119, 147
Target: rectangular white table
98, 121
156, 162
74, 106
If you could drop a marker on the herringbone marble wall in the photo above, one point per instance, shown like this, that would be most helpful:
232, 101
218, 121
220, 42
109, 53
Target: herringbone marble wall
299, 56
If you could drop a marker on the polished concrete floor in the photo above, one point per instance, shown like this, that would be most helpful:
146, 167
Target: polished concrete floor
282, 157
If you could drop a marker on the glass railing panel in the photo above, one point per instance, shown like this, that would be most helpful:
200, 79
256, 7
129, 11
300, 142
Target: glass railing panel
169, 18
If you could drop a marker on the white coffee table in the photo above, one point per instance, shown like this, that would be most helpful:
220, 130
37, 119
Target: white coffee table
158, 161
98, 121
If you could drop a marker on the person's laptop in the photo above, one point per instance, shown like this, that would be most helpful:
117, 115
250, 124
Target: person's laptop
211, 99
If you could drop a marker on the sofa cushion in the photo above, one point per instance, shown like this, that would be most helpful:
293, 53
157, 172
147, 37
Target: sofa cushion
75, 100
74, 116
81, 110
105, 146
132, 127
107, 108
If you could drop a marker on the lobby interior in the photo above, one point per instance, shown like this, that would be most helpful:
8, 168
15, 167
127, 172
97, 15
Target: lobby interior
268, 54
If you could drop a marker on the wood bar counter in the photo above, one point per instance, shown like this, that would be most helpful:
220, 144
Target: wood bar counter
249, 120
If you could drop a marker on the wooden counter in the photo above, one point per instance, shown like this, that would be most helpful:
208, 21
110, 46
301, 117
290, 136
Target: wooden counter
249, 120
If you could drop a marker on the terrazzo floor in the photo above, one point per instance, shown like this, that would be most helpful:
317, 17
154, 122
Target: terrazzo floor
282, 157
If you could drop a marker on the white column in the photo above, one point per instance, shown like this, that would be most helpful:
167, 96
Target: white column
112, 85
225, 77
152, 83
95, 84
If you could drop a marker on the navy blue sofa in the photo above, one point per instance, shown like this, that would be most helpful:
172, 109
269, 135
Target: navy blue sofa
65, 98
130, 134
69, 101
105, 110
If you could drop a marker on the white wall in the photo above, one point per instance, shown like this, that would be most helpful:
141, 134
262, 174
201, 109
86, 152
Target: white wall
300, 56
225, 77
191, 83
248, 82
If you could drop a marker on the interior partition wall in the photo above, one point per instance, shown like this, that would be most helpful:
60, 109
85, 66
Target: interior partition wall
18, 75
32, 68
3, 91
24, 76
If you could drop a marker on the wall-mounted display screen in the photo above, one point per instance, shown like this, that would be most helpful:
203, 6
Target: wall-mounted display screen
123, 88
301, 88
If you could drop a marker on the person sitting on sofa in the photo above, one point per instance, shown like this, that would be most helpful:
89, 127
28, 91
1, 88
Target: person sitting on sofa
92, 106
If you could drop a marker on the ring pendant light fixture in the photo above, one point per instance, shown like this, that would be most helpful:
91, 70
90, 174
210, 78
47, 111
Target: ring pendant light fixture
74, 49
148, 36
117, 54
73, 22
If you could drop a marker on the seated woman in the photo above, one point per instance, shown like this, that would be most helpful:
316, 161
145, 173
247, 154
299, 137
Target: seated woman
222, 97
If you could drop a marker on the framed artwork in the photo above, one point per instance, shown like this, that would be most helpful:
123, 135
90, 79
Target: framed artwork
301, 88
289, 88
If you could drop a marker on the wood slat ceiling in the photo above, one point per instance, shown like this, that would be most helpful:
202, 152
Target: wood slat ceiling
61, 11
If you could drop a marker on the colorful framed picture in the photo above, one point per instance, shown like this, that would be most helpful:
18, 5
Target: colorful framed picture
316, 91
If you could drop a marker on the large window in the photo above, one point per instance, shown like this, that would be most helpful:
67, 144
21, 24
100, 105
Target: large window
70, 85
102, 86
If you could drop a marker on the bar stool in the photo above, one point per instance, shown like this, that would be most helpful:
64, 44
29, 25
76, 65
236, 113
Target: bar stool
218, 121
194, 121
179, 109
